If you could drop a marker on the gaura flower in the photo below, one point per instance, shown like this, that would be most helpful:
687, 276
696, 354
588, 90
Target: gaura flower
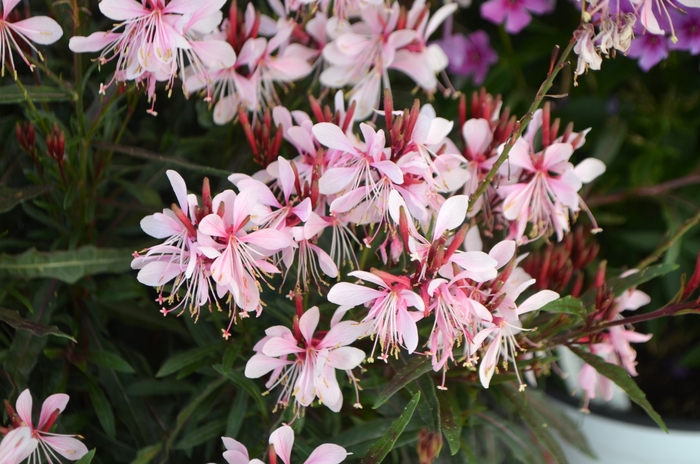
17, 445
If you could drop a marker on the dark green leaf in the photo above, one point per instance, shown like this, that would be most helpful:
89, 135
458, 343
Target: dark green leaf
428, 407
11, 94
417, 366
236, 415
158, 388
11, 197
187, 358
67, 266
202, 434
620, 376
146, 455
620, 284
566, 305
102, 408
380, 449
358, 439
536, 424
109, 360
451, 420
230, 354
248, 385
15, 320
87, 459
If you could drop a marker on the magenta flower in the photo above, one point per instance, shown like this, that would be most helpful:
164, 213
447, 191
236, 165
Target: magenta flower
39, 29
311, 371
687, 31
514, 13
469, 56
50, 443
649, 49
17, 445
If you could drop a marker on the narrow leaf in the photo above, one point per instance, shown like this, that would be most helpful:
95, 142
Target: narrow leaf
429, 406
11, 197
202, 434
566, 305
11, 94
67, 266
87, 459
451, 421
40, 330
187, 358
417, 366
380, 449
109, 360
102, 408
620, 284
248, 385
236, 415
620, 376
146, 455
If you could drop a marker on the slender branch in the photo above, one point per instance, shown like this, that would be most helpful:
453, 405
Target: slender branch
522, 123
149, 155
661, 249
651, 191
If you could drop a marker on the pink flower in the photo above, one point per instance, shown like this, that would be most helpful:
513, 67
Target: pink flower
282, 440
391, 322
514, 13
50, 443
311, 372
17, 445
469, 55
39, 29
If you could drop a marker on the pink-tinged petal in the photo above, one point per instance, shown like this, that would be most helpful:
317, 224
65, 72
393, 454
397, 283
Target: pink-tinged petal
412, 299
400, 38
308, 323
519, 156
494, 10
303, 210
557, 153
478, 135
315, 224
480, 310
407, 330
366, 96
327, 454
565, 188
7, 6
648, 19
301, 138
158, 273
17, 445
286, 177
503, 252
327, 388
325, 262
215, 54
517, 201
262, 191
636, 299
179, 187
283, 440
345, 357
234, 445
277, 346
389, 169
439, 17
268, 239
416, 66
342, 334
68, 447
347, 294
236, 457
92, 43
439, 129
225, 109
122, 10
517, 20
688, 3
259, 365
53, 402
368, 277
335, 180
451, 215
23, 407
536, 301
39, 29
474, 260
213, 225
587, 379
332, 136
349, 200
473, 242
160, 225
489, 361
589, 169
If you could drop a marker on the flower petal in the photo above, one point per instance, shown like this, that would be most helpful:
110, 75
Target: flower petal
52, 403
327, 453
283, 440
40, 29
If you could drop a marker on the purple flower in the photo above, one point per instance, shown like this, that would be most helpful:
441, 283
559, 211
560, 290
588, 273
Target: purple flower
687, 31
650, 49
469, 56
515, 13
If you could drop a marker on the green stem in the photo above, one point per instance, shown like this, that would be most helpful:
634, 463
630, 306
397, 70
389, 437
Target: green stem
661, 249
522, 123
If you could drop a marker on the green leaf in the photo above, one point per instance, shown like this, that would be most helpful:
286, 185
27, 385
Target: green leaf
380, 449
230, 354
202, 434
535, 423
429, 406
67, 266
40, 330
11, 197
236, 415
566, 305
158, 388
146, 455
622, 379
109, 360
620, 284
102, 408
87, 459
417, 366
451, 421
12, 94
248, 385
187, 358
